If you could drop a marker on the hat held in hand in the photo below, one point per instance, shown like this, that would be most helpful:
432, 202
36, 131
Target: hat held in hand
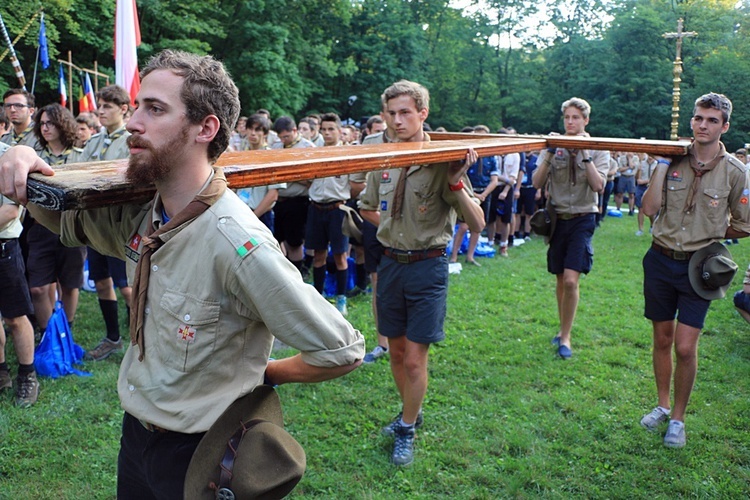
711, 270
246, 453
351, 226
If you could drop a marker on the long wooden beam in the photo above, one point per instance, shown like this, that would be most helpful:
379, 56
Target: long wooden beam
97, 184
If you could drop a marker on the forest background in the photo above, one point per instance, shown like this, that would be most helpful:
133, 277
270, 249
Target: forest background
496, 62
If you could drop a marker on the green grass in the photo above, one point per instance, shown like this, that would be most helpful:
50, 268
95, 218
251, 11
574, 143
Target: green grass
504, 417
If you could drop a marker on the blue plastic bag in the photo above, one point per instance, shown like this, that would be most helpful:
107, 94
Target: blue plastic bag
57, 353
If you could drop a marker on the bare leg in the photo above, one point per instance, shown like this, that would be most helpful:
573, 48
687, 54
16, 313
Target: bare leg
409, 368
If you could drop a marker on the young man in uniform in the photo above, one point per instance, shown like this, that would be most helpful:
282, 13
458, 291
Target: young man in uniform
575, 180
15, 305
200, 339
19, 107
415, 209
106, 271
698, 200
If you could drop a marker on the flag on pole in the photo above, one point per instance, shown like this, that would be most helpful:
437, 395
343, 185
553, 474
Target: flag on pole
83, 102
43, 47
88, 91
63, 88
127, 38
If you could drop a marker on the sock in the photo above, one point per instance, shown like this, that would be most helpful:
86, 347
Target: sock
70, 325
342, 277
109, 312
4, 367
297, 264
510, 240
666, 411
361, 276
676, 422
503, 244
405, 425
308, 261
25, 369
319, 278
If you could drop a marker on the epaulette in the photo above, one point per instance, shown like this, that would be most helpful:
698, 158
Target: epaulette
241, 240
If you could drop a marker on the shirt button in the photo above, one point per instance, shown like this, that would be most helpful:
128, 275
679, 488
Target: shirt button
715, 196
222, 221
187, 317
148, 310
671, 188
154, 268
131, 388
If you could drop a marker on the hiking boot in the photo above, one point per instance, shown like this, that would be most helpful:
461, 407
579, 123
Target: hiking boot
27, 390
341, 304
403, 447
5, 381
675, 436
376, 353
105, 349
390, 429
653, 420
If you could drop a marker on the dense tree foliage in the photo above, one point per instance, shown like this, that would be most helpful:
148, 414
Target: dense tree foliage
497, 62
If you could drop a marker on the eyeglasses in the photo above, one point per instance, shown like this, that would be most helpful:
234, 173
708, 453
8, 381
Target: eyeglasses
47, 124
15, 105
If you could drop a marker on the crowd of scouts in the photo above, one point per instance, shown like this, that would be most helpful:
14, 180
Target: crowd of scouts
408, 219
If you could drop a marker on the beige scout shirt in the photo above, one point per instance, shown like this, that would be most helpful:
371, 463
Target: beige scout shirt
430, 208
570, 197
721, 201
330, 189
116, 144
254, 195
70, 155
294, 189
25, 138
212, 310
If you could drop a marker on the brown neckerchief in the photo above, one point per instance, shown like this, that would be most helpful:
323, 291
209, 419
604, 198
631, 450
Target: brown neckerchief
572, 153
152, 242
699, 169
398, 195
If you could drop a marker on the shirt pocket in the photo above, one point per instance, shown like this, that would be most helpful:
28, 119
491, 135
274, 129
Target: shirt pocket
560, 169
190, 325
716, 203
425, 197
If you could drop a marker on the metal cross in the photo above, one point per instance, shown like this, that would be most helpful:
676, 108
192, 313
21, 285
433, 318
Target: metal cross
677, 71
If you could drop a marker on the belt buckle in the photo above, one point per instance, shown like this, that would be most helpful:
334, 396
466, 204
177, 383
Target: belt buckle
679, 255
403, 258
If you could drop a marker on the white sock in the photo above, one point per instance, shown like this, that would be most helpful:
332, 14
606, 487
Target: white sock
676, 422
666, 411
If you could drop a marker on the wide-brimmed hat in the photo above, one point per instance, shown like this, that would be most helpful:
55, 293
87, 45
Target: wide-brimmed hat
352, 223
543, 223
263, 460
711, 270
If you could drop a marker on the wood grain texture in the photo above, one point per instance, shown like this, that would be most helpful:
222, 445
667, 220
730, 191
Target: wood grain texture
97, 184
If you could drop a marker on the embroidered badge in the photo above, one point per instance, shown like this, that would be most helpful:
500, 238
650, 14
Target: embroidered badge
715, 203
135, 241
131, 250
559, 153
676, 176
249, 244
386, 175
422, 209
746, 192
743, 200
186, 334
383, 206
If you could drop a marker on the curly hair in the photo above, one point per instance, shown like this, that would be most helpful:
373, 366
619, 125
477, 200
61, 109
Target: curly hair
61, 118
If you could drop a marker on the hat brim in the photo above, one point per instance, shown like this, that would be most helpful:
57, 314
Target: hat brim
350, 227
695, 271
262, 403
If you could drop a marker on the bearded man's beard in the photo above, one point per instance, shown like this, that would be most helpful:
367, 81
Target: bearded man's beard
154, 164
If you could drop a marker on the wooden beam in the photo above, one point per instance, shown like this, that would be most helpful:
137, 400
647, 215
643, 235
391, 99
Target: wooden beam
97, 184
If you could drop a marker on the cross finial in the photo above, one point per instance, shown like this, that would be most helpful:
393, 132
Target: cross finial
679, 35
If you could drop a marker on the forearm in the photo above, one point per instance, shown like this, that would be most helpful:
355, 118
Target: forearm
472, 213
733, 234
267, 202
652, 198
8, 213
539, 178
371, 216
294, 369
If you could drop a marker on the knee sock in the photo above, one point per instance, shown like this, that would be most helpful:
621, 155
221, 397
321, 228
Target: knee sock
342, 277
361, 276
319, 278
4, 367
25, 369
109, 312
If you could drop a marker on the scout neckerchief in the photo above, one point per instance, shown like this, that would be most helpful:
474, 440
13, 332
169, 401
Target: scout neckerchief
398, 196
699, 169
54, 160
294, 143
152, 241
16, 138
109, 139
572, 153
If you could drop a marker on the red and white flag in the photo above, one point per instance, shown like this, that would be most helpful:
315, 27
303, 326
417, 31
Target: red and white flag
127, 38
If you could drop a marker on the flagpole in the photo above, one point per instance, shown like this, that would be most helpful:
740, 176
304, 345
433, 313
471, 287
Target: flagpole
13, 59
36, 60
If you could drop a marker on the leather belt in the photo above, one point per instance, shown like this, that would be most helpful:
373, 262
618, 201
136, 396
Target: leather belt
151, 427
411, 256
672, 254
570, 216
327, 206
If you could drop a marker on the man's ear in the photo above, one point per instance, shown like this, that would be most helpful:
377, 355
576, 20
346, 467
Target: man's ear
209, 127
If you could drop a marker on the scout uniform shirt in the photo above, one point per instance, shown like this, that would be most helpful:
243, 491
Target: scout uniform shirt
13, 229
572, 194
69, 155
430, 208
330, 189
294, 189
721, 201
212, 310
25, 138
103, 146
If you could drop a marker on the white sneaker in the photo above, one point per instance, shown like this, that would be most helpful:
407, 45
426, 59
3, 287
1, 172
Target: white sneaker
675, 436
653, 420
639, 233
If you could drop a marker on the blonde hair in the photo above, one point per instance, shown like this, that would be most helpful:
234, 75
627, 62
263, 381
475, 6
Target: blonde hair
414, 90
578, 103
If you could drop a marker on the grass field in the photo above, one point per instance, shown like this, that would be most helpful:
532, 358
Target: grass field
504, 417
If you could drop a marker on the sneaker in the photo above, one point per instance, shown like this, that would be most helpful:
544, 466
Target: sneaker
564, 351
5, 381
653, 420
390, 429
503, 251
376, 353
27, 390
105, 349
631, 213
639, 233
556, 340
341, 304
675, 436
403, 447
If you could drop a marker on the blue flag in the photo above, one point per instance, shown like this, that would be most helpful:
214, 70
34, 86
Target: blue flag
43, 49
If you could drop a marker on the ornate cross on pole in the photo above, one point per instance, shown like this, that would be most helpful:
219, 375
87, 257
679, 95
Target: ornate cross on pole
677, 71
